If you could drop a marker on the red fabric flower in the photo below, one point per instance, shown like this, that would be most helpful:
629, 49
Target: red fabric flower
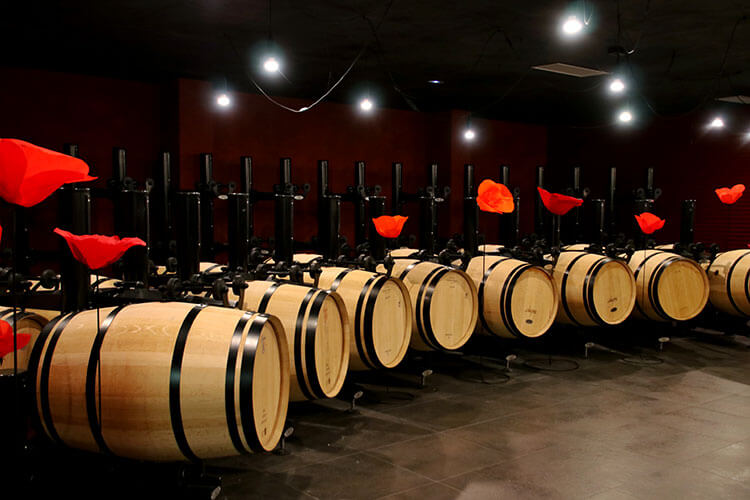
649, 222
494, 197
389, 226
730, 195
29, 174
6, 339
97, 251
558, 204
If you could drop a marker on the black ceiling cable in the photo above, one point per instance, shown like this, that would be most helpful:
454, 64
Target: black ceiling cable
249, 75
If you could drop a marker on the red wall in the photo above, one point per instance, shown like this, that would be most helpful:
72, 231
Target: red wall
340, 134
689, 161
50, 109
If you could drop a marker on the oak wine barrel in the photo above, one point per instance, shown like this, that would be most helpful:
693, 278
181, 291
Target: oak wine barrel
379, 312
444, 301
516, 299
163, 381
29, 323
729, 282
317, 331
670, 287
595, 290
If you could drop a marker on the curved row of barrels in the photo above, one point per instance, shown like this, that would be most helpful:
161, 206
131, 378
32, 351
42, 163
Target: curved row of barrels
173, 381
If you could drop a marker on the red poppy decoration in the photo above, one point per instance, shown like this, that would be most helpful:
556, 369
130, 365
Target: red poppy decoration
730, 195
6, 339
389, 226
558, 204
29, 174
494, 197
649, 222
97, 251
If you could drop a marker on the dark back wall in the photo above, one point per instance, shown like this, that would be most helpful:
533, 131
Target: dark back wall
50, 109
689, 161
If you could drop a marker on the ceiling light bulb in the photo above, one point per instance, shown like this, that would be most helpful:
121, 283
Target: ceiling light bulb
435, 82
616, 86
271, 65
469, 134
365, 105
716, 123
223, 100
625, 116
572, 25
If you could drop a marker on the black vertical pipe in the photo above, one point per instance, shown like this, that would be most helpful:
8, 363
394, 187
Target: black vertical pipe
75, 216
119, 165
246, 182
505, 175
687, 222
284, 227
360, 204
132, 220
471, 213
515, 222
188, 228
397, 185
577, 211
650, 183
329, 226
428, 223
377, 242
505, 221
71, 149
556, 221
238, 226
612, 201
285, 172
432, 177
246, 174
207, 206
539, 211
323, 186
600, 221
163, 206
323, 191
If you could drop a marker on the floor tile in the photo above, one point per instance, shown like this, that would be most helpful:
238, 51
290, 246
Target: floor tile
708, 422
559, 472
438, 456
358, 476
734, 404
683, 482
732, 462
657, 440
433, 491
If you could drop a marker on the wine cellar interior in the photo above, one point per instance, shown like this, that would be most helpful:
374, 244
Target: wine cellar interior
375, 249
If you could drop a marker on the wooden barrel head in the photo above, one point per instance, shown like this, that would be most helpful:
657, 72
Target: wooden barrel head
29, 323
452, 306
391, 323
270, 398
534, 302
594, 289
331, 348
729, 279
614, 292
682, 289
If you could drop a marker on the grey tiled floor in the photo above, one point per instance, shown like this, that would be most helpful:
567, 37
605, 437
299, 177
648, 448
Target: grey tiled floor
608, 430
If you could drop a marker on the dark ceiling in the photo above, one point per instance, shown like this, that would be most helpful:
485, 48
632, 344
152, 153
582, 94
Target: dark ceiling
684, 52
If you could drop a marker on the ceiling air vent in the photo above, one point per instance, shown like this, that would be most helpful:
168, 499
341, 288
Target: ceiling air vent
736, 99
570, 70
